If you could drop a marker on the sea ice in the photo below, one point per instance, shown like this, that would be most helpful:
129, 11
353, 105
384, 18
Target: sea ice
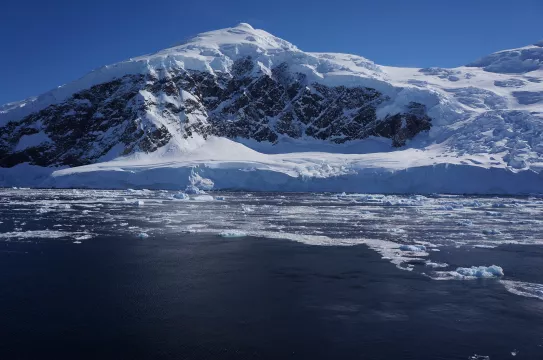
480, 271
415, 248
232, 233
203, 198
526, 289
143, 235
464, 222
499, 205
435, 264
491, 232
181, 196
493, 213
193, 190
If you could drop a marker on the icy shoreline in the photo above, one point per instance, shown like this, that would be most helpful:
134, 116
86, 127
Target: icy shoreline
442, 178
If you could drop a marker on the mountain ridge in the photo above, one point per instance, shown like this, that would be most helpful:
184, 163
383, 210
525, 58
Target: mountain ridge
246, 85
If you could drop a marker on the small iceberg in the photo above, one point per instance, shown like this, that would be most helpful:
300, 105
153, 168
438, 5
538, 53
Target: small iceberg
181, 196
415, 248
481, 271
464, 222
193, 190
436, 265
470, 273
499, 205
203, 198
232, 234
143, 235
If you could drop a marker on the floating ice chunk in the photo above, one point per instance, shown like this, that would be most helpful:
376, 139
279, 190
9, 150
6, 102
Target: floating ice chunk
203, 198
499, 205
181, 196
493, 213
247, 208
232, 233
474, 203
446, 207
64, 206
471, 273
43, 210
396, 230
514, 352
220, 198
193, 190
77, 242
143, 235
415, 248
435, 264
464, 222
479, 357
483, 246
492, 232
83, 237
480, 271
138, 202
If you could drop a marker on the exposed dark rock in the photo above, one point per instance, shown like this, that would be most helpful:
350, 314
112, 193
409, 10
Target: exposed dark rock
142, 112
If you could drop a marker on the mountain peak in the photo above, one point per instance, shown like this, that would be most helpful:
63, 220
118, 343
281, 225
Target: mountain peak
245, 25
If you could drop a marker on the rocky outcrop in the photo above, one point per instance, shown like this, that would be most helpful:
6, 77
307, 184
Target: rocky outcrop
143, 112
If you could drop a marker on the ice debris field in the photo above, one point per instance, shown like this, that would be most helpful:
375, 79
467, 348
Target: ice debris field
415, 233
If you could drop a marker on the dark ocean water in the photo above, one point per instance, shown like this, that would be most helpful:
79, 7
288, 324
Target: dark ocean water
196, 295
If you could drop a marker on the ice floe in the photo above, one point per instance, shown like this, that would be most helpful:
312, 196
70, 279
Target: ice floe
414, 248
525, 289
232, 233
474, 272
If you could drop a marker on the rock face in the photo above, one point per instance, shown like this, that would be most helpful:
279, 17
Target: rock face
244, 103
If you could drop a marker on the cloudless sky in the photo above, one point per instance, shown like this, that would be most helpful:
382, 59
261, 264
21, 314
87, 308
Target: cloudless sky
46, 43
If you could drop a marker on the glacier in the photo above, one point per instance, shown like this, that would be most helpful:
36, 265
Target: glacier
474, 129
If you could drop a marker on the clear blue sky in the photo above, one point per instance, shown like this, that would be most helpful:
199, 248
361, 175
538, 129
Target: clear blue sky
46, 43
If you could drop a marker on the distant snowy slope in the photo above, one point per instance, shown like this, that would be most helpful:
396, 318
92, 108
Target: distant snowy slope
269, 97
513, 61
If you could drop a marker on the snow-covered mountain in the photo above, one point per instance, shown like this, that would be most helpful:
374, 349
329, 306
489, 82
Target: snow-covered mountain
240, 108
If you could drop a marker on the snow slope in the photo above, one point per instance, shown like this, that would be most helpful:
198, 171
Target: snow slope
486, 134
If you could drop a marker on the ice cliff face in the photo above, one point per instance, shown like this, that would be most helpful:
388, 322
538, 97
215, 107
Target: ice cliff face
244, 83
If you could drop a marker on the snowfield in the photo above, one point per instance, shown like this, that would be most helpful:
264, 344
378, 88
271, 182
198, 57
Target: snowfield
486, 135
